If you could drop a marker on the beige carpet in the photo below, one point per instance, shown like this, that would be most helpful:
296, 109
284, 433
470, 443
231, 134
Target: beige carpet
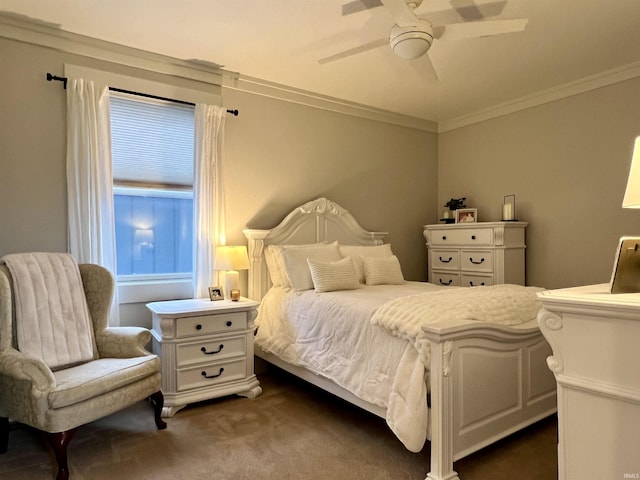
292, 431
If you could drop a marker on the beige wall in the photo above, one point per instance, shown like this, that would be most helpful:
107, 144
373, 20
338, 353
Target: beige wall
278, 155
567, 163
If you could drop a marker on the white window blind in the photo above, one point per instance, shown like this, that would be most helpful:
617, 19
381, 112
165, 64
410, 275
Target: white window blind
152, 141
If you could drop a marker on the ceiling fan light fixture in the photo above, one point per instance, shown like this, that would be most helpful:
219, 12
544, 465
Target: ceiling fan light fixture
409, 43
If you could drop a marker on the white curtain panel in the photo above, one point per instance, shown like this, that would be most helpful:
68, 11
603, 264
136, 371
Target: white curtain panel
90, 179
208, 194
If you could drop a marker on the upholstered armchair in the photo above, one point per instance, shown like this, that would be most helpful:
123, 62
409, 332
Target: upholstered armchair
61, 366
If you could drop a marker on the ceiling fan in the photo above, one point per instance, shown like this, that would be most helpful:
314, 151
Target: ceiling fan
412, 36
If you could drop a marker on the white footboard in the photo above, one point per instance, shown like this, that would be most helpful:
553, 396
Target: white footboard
487, 382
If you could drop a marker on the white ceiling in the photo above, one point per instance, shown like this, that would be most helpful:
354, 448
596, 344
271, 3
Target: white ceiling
281, 41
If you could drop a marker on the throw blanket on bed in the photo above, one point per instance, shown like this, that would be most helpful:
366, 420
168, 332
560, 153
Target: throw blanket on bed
52, 316
404, 317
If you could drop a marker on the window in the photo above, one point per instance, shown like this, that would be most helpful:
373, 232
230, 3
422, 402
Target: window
153, 157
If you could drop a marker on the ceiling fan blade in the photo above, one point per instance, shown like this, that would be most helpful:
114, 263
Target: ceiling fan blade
400, 11
356, 6
473, 10
487, 28
355, 51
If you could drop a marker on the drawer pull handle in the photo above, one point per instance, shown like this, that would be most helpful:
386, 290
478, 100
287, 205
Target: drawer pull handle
229, 323
204, 374
445, 283
444, 237
204, 350
476, 263
198, 327
473, 237
471, 284
445, 261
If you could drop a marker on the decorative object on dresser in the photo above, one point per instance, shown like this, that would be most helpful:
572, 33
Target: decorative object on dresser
466, 215
594, 336
205, 349
509, 208
448, 215
477, 254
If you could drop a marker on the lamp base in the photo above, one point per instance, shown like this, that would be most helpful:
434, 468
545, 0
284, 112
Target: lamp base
231, 282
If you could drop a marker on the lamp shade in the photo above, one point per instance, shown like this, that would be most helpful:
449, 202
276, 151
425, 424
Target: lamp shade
231, 258
632, 193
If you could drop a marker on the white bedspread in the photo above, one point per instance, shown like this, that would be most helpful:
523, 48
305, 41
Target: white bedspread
369, 341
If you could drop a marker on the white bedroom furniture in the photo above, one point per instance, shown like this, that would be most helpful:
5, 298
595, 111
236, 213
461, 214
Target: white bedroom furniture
486, 381
469, 255
205, 348
596, 361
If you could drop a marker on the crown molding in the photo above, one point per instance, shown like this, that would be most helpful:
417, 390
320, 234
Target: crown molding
268, 89
30, 31
593, 82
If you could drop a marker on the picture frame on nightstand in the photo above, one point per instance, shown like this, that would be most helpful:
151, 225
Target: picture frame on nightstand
625, 277
215, 293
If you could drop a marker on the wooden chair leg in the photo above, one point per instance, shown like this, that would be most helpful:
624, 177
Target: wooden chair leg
157, 401
4, 434
60, 442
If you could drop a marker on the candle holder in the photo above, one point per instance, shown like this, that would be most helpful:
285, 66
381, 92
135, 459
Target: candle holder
509, 209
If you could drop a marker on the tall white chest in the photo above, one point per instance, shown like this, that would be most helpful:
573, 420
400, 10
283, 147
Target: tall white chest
476, 254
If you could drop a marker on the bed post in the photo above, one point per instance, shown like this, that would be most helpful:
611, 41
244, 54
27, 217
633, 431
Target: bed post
441, 417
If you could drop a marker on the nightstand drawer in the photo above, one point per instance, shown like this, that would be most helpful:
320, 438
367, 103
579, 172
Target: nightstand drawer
477, 260
445, 279
210, 350
212, 374
206, 324
462, 236
476, 280
445, 259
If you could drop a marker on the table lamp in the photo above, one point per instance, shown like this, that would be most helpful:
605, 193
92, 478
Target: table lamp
230, 259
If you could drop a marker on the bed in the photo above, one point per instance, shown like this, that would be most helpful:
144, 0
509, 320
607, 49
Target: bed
461, 382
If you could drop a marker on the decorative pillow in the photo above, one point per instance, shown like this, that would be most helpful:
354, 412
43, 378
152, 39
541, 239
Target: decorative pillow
275, 261
359, 251
382, 270
296, 269
331, 276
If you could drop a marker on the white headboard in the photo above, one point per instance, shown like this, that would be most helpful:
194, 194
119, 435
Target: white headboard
315, 221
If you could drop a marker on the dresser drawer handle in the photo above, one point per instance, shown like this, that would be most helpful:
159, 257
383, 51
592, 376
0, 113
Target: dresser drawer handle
445, 261
204, 374
445, 283
473, 237
198, 327
476, 263
472, 285
229, 323
444, 237
204, 350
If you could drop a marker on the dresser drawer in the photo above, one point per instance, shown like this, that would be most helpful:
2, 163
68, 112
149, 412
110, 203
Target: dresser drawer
462, 236
212, 374
207, 324
445, 259
445, 279
476, 280
476, 260
210, 350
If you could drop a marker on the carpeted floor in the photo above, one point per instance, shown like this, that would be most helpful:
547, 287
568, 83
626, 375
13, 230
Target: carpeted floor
292, 431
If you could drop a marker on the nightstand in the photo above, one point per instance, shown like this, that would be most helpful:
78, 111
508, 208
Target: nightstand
205, 349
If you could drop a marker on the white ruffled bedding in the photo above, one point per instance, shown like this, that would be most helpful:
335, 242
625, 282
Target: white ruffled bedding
369, 341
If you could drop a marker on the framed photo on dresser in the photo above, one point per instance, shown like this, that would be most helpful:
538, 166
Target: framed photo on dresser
466, 215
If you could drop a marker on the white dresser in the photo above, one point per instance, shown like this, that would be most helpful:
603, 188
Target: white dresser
205, 349
595, 337
483, 253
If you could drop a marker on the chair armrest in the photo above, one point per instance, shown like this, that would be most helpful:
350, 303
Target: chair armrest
18, 368
123, 342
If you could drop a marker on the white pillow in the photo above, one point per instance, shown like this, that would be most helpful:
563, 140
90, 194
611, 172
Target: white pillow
331, 276
382, 270
359, 251
275, 262
296, 269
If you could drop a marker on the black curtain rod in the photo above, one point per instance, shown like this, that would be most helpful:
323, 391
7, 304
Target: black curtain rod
51, 77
